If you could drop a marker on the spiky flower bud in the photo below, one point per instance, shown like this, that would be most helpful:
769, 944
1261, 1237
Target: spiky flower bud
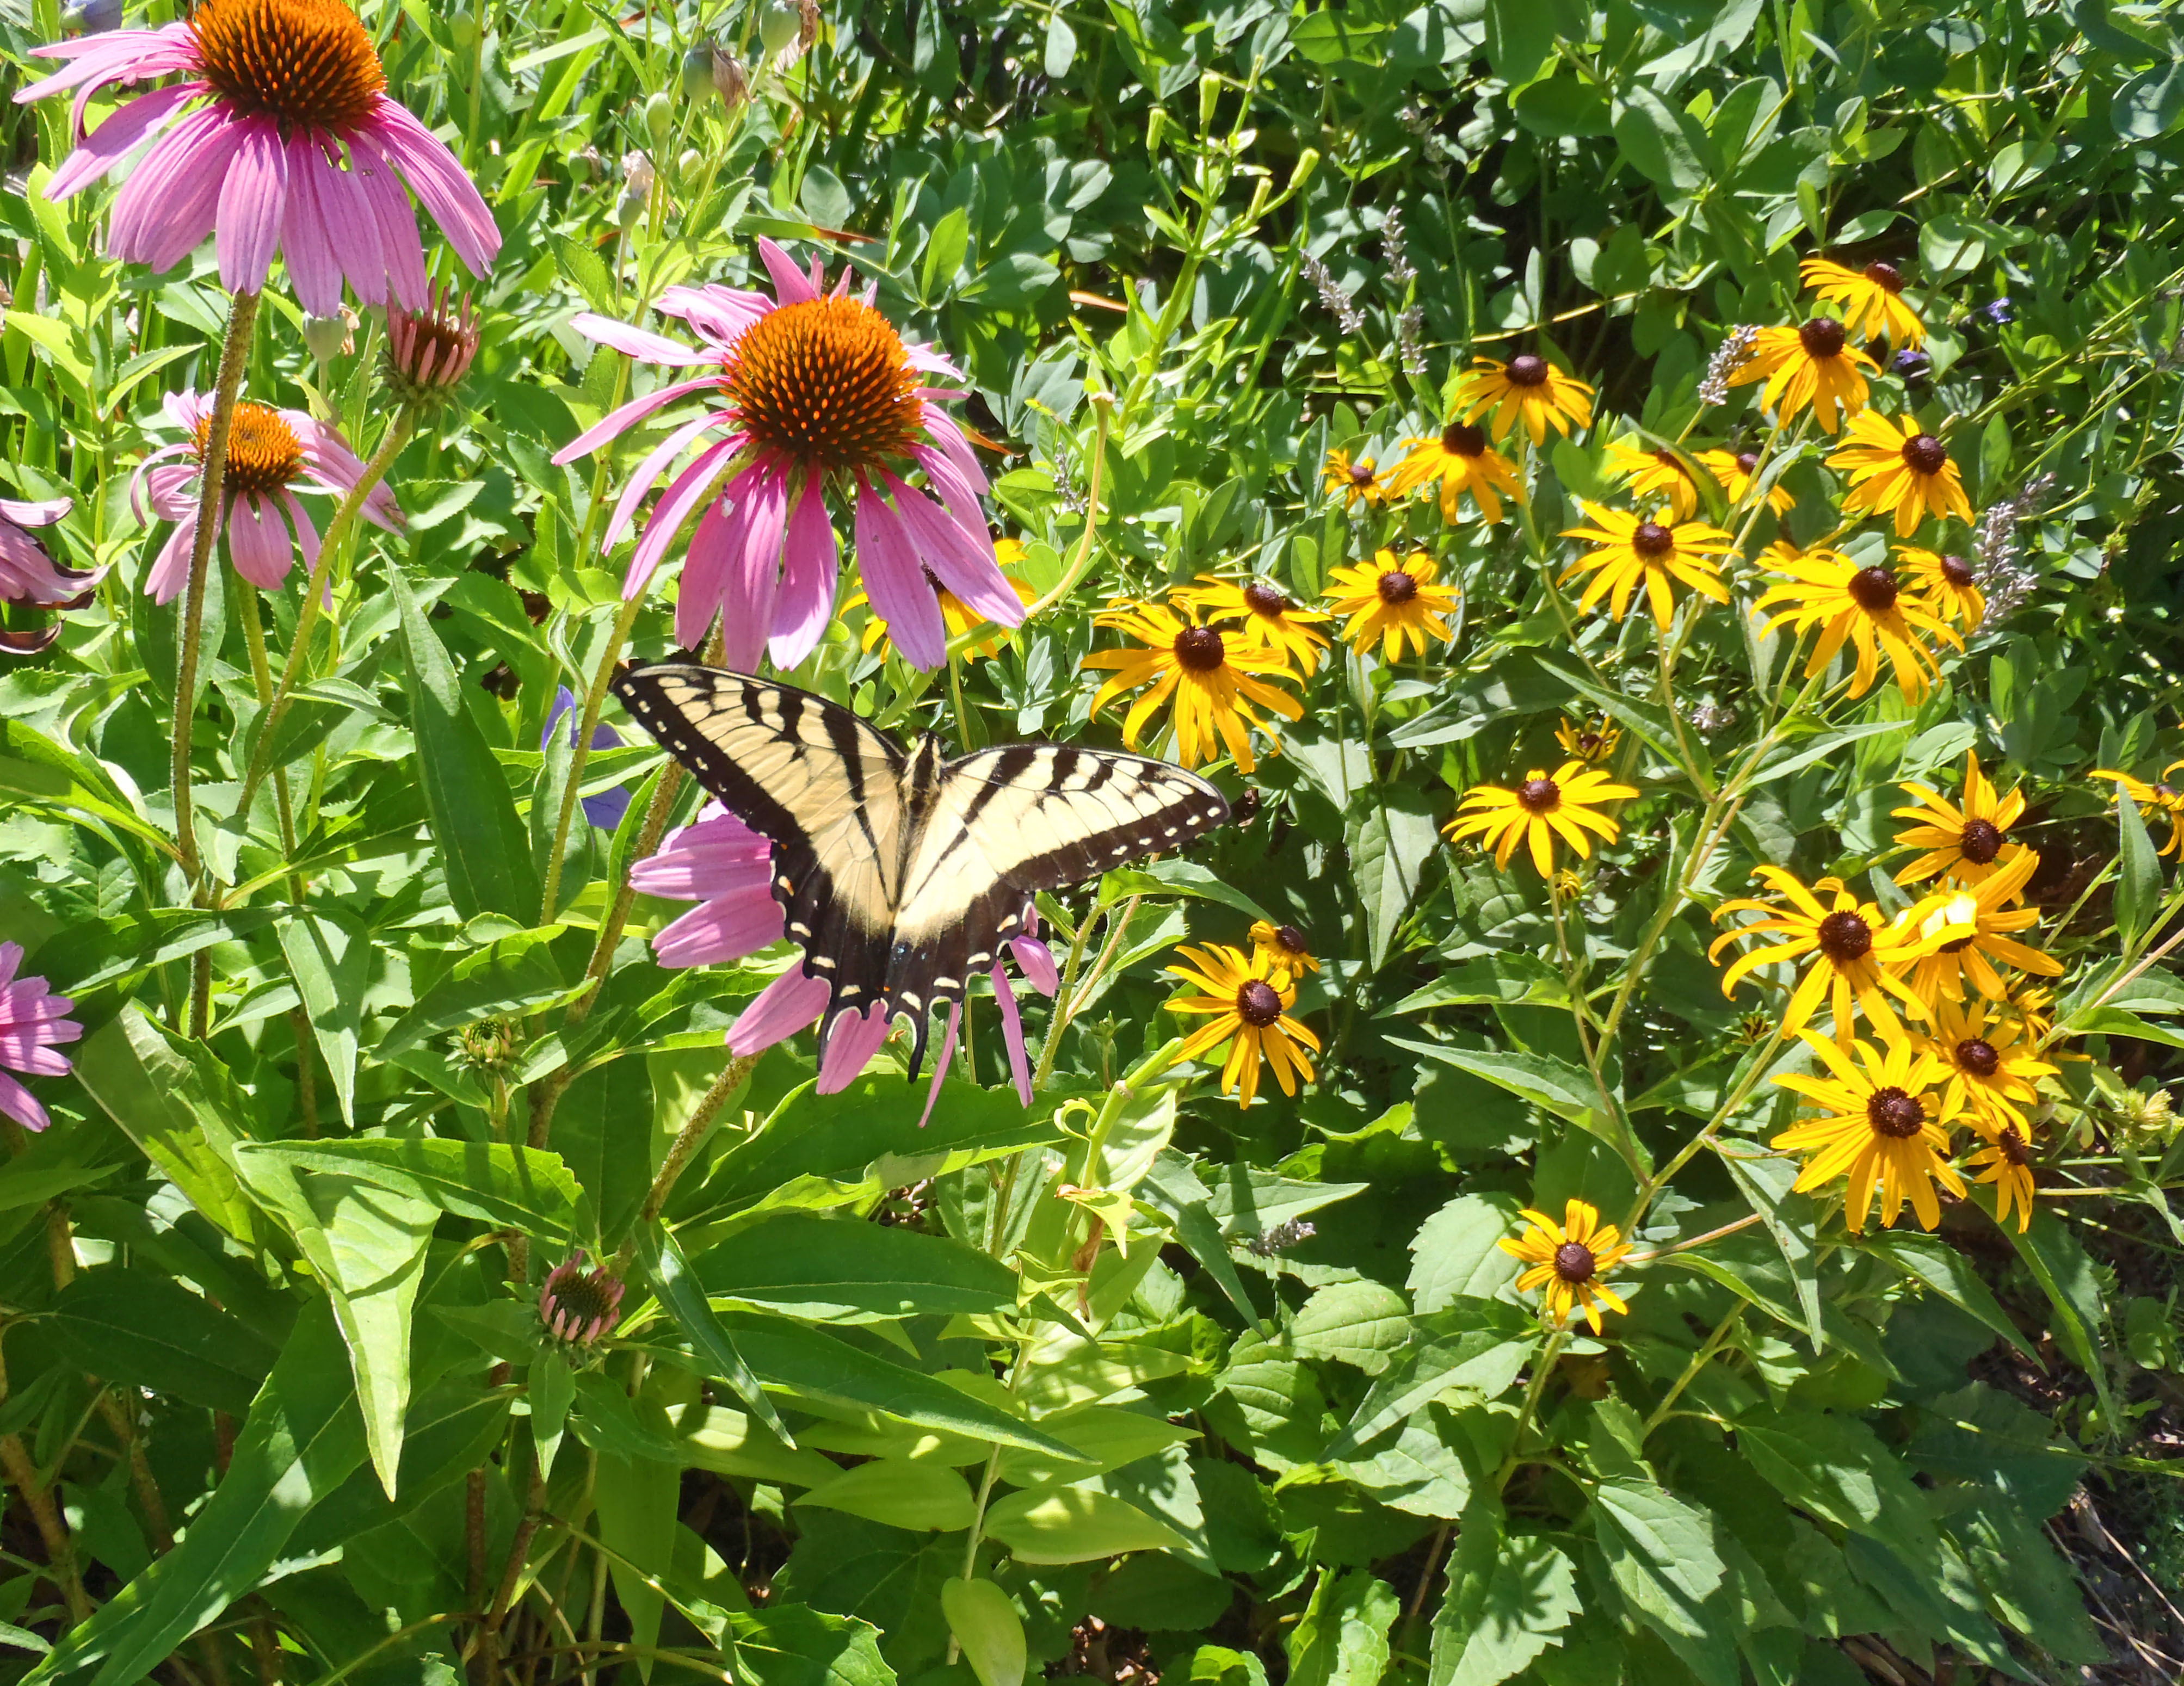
428, 352
577, 1305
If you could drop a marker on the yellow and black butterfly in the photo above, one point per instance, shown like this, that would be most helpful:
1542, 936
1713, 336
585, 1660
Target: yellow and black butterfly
901, 875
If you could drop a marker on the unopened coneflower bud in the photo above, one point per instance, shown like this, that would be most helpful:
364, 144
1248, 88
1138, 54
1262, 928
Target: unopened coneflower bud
777, 26
327, 338
1209, 99
698, 71
1307, 166
579, 1305
428, 352
690, 163
730, 80
660, 118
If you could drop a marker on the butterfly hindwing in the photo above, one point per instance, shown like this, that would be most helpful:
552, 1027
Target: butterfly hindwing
818, 783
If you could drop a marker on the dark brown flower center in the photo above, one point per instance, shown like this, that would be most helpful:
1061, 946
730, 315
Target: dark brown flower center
2014, 1147
1894, 1114
1822, 337
1958, 945
1540, 796
1747, 460
1844, 937
1262, 598
1653, 540
1925, 454
1462, 439
263, 452
1976, 1055
1574, 1262
1292, 940
586, 1296
1257, 1004
1395, 587
1667, 461
827, 383
1980, 842
1526, 370
1361, 471
1873, 590
1885, 275
309, 64
1199, 648
1954, 570
1588, 743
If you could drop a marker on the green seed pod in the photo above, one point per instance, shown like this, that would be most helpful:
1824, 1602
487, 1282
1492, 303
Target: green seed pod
698, 71
778, 26
660, 118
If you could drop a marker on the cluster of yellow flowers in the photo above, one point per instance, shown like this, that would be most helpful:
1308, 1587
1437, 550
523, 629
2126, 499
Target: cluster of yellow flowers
1952, 963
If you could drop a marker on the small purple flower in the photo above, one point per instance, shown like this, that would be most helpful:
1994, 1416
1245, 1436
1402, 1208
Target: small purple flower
1998, 311
1911, 366
32, 1019
605, 810
576, 1305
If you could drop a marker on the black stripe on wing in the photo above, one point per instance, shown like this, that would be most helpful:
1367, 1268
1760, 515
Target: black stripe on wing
1160, 808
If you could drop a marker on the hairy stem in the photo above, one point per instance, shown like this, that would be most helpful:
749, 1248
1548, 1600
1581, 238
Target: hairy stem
594, 701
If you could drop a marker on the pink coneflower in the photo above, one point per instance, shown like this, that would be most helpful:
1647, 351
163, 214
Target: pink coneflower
727, 868
31, 1021
28, 572
576, 1305
272, 454
295, 150
808, 387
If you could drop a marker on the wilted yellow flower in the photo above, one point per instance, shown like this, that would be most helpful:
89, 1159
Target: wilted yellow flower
1735, 470
2005, 1161
1593, 742
2160, 797
1284, 945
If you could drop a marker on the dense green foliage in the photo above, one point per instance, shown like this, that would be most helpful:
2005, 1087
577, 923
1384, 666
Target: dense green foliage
1134, 1380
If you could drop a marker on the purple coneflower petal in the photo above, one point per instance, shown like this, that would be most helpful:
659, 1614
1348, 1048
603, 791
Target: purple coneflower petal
689, 490
617, 422
21, 1105
440, 184
810, 573
351, 229
955, 559
755, 581
257, 542
896, 582
307, 535
642, 480
1036, 961
42, 514
391, 215
1013, 1033
172, 571
847, 1046
714, 934
791, 286
636, 342
114, 139
168, 205
940, 1064
307, 237
781, 1009
251, 199
715, 549
719, 314
944, 431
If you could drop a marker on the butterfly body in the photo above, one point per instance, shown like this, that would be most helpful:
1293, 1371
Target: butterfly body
899, 875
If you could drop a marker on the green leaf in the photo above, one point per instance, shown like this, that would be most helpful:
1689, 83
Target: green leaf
165, 1105
2138, 870
1564, 1089
1074, 1525
1661, 1553
1931, 1260
1389, 844
901, 1492
637, 1499
1520, 38
1508, 1600
1483, 1361
1359, 1323
681, 1292
23, 1188
330, 957
2059, 1264
495, 1182
1172, 1185
1178, 877
302, 1438
1837, 1469
1494, 980
2145, 108
514, 975
1767, 1185
483, 845
1651, 135
821, 1267
367, 1244
982, 1618
794, 1645
1341, 1639
1457, 1253
144, 1330
98, 951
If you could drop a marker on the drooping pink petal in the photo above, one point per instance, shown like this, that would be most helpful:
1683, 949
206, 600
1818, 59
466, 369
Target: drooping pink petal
258, 540
21, 1105
944, 433
810, 573
1012, 1037
940, 1066
440, 182
715, 549
251, 202
617, 422
896, 582
689, 489
114, 139
955, 559
42, 514
170, 572
168, 205
642, 480
307, 535
715, 932
847, 1045
747, 610
392, 217
306, 242
645, 348
718, 313
351, 229
1036, 961
790, 284
784, 1007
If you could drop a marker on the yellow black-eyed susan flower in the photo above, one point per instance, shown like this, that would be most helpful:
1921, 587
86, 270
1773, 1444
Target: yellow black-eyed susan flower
1355, 479
1392, 603
1899, 467
1965, 842
1261, 614
1973, 932
1568, 1260
1879, 1126
2159, 797
1813, 366
1631, 553
1872, 299
1527, 388
1250, 1009
1285, 946
2004, 1160
1992, 1072
1212, 683
1855, 950
1863, 607
1462, 461
1538, 811
1592, 742
1655, 474
1735, 470
1946, 582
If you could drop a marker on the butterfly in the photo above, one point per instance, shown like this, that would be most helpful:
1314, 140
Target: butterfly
901, 875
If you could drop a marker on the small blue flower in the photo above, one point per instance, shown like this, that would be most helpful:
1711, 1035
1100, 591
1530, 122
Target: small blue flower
90, 17
605, 810
1997, 311
1911, 366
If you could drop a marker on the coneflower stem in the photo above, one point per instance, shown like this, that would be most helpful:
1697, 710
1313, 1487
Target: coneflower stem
307, 613
696, 1131
234, 353
594, 701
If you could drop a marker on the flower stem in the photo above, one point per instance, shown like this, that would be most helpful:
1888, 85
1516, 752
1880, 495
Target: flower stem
330, 548
595, 700
694, 1135
1542, 1368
